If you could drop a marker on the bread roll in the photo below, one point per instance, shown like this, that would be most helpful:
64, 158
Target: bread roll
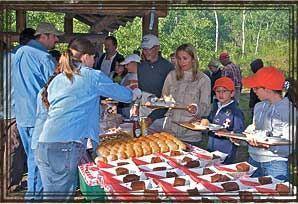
112, 157
205, 122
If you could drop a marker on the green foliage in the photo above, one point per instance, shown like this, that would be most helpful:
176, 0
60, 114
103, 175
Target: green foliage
270, 27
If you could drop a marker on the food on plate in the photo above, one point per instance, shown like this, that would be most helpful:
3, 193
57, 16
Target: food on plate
214, 156
175, 153
230, 186
138, 185
242, 167
121, 171
170, 174
205, 122
219, 178
207, 171
131, 178
160, 168
265, 180
192, 164
193, 192
156, 160
179, 181
186, 159
122, 163
246, 196
282, 189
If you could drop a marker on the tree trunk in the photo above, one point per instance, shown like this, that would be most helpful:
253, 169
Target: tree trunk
243, 33
216, 31
258, 37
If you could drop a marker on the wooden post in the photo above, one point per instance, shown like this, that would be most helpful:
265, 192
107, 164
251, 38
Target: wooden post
21, 20
146, 23
68, 23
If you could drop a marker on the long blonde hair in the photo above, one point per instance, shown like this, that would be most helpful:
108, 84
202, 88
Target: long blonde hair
189, 49
68, 61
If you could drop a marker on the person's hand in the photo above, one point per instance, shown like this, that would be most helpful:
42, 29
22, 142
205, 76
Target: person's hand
192, 108
253, 141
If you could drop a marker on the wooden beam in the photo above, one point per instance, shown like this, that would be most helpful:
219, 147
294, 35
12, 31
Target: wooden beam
84, 19
120, 9
68, 23
20, 20
150, 24
14, 37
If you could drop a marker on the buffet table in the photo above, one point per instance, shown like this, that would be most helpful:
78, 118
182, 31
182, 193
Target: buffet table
186, 174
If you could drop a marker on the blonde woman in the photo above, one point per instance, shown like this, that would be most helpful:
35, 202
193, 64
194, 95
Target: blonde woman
187, 85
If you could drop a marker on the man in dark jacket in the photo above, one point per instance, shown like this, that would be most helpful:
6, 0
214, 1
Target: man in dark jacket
106, 63
253, 98
214, 74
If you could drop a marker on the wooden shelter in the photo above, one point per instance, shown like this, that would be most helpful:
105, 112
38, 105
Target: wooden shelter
101, 15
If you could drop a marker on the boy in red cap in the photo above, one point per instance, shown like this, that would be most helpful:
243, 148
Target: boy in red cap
271, 118
225, 112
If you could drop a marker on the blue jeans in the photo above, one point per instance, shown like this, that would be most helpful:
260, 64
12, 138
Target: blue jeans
34, 183
58, 165
276, 169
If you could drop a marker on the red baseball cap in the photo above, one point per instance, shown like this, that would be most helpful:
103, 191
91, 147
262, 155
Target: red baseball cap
267, 77
225, 82
224, 55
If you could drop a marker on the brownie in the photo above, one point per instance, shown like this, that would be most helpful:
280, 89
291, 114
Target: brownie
121, 171
131, 178
186, 159
246, 196
193, 192
156, 160
219, 178
138, 185
179, 182
242, 167
170, 174
175, 153
230, 186
122, 163
160, 168
207, 171
265, 180
282, 189
151, 195
192, 164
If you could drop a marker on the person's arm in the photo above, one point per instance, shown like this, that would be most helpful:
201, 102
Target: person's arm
47, 68
107, 88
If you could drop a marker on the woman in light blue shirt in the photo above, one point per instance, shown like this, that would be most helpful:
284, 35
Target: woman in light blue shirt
71, 100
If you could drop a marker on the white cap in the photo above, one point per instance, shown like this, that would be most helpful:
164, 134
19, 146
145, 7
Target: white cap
149, 41
131, 58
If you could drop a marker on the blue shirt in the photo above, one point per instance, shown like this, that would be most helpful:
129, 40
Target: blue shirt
73, 114
32, 66
232, 118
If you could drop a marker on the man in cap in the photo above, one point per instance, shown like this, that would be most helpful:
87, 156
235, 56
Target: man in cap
32, 67
107, 61
232, 71
151, 75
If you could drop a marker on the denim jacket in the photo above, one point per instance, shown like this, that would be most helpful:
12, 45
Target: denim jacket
32, 66
73, 114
